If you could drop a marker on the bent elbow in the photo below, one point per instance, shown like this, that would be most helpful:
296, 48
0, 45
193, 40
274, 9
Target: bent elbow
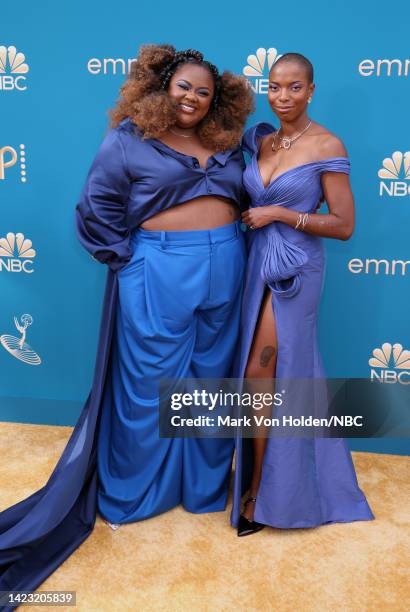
347, 235
346, 232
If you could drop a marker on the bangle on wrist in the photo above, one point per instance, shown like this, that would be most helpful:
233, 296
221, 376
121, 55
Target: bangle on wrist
299, 221
303, 218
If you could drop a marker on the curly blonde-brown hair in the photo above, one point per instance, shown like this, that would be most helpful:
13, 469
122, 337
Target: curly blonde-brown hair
144, 98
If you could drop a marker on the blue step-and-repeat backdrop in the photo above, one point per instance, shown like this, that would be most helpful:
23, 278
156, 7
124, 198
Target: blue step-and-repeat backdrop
61, 66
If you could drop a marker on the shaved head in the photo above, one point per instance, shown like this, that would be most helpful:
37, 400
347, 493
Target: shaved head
297, 58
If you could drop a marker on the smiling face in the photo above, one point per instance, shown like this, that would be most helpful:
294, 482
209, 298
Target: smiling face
192, 87
289, 90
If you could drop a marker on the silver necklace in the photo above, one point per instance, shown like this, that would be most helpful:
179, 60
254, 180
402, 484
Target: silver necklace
286, 141
183, 135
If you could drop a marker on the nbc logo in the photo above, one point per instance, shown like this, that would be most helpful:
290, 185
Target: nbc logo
18, 347
390, 364
14, 63
16, 254
255, 68
395, 168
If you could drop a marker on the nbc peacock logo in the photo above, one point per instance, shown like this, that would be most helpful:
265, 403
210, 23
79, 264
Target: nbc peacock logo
390, 364
394, 174
18, 347
13, 67
258, 67
16, 254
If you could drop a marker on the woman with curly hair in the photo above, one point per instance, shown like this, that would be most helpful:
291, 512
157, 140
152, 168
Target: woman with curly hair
161, 207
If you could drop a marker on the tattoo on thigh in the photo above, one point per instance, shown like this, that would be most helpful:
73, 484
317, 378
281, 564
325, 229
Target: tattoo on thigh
266, 355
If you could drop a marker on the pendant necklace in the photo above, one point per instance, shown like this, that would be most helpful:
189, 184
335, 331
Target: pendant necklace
286, 141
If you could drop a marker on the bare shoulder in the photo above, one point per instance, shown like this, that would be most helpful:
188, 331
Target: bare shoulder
328, 144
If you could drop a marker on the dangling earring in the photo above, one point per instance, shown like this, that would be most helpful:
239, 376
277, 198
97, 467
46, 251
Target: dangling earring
309, 100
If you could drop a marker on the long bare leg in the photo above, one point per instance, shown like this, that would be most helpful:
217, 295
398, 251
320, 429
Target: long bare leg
261, 364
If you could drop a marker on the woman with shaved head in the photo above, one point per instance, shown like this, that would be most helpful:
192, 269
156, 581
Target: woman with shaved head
293, 482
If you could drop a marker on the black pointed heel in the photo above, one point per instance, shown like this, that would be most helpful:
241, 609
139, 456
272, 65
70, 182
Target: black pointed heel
246, 526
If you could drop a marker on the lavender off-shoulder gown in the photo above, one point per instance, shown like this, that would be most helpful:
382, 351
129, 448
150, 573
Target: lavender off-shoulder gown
305, 481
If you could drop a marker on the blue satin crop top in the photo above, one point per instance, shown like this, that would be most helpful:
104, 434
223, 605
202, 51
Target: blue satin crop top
132, 179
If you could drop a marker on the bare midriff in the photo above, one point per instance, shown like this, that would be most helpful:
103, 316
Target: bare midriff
204, 212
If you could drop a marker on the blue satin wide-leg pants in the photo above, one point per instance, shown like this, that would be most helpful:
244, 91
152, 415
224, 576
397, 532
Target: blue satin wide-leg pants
177, 317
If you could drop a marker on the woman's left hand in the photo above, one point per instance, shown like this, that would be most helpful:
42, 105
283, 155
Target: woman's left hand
259, 216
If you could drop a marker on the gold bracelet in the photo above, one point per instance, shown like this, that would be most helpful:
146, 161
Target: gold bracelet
305, 220
299, 221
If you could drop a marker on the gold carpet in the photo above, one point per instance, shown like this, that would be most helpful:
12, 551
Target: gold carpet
180, 561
